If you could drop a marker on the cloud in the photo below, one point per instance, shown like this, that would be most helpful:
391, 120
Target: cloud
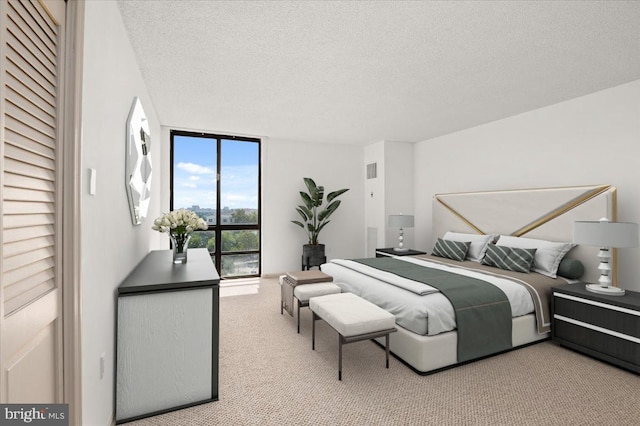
194, 178
189, 185
196, 169
237, 201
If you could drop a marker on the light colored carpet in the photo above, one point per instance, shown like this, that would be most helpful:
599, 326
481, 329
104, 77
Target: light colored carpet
270, 376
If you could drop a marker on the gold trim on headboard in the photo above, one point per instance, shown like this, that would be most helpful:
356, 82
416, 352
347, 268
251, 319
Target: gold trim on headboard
562, 209
551, 211
544, 219
462, 218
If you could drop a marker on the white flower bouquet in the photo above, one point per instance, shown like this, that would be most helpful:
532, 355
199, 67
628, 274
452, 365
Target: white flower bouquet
179, 222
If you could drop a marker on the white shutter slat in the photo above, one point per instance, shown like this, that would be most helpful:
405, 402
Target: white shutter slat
28, 195
43, 19
31, 291
21, 72
33, 256
21, 101
28, 119
25, 273
21, 43
17, 181
24, 169
24, 220
21, 207
28, 157
29, 192
22, 18
28, 132
18, 247
27, 144
18, 45
18, 234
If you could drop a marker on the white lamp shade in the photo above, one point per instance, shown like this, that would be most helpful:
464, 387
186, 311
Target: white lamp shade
400, 221
606, 234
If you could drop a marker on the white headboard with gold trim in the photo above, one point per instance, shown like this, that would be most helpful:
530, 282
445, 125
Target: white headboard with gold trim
534, 213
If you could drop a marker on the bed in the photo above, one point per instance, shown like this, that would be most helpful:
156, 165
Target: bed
432, 333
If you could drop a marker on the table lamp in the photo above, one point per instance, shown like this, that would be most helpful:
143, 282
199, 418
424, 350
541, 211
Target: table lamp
400, 221
606, 235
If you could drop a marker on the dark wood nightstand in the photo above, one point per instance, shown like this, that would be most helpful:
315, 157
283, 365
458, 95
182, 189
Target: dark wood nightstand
604, 327
381, 252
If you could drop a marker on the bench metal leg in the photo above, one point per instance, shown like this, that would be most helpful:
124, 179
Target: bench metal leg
386, 348
298, 316
313, 331
342, 340
339, 356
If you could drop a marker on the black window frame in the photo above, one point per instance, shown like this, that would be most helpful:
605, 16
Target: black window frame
218, 228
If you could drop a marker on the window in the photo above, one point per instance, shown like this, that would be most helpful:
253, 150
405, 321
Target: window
218, 177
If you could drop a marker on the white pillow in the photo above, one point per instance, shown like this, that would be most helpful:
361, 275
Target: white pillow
479, 243
548, 255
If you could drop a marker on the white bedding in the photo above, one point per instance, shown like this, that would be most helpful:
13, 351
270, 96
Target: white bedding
427, 314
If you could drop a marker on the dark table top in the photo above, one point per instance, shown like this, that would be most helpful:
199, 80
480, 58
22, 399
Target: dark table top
157, 272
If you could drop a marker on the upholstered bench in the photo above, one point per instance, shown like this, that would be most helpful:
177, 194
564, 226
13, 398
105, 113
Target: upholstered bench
354, 319
303, 293
301, 286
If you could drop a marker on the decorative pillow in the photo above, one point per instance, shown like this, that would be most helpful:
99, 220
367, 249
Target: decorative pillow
478, 246
549, 254
571, 268
456, 250
509, 258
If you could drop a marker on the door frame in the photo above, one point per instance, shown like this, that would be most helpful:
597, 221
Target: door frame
71, 202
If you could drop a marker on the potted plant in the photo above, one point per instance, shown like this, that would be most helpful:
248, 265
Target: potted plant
315, 217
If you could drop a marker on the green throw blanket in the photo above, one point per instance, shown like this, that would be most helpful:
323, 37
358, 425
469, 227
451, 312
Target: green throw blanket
483, 312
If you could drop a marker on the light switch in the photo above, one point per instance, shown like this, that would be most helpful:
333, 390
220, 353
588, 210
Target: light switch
92, 181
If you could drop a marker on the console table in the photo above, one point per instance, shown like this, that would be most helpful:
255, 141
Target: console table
167, 335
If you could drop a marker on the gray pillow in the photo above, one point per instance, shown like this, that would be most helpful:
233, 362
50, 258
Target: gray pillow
571, 268
509, 258
456, 250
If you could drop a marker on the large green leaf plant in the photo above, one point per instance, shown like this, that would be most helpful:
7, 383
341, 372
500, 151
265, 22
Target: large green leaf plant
314, 215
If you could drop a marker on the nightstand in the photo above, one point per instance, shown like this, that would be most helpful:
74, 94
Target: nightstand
381, 252
604, 327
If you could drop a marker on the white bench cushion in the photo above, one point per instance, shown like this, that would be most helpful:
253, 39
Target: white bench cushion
305, 292
351, 315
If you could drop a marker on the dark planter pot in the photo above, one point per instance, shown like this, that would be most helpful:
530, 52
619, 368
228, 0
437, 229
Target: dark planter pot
313, 255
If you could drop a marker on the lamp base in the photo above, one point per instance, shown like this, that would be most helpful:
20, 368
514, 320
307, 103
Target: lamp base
608, 290
400, 249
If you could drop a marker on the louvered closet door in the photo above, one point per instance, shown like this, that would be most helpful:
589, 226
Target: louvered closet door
31, 283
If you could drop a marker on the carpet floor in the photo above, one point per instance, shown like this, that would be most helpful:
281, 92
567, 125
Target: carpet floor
270, 376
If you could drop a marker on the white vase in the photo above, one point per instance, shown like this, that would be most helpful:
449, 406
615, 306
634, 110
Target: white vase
180, 244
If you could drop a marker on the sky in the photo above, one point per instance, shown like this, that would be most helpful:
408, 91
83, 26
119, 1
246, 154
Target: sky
194, 173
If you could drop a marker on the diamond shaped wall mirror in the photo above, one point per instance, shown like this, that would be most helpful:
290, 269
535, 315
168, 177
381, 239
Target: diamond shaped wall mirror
138, 163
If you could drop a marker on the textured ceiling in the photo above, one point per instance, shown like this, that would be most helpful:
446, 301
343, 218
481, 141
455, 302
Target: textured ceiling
360, 72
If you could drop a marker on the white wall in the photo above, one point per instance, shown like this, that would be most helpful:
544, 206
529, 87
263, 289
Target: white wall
374, 198
334, 166
594, 139
391, 192
398, 179
111, 245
